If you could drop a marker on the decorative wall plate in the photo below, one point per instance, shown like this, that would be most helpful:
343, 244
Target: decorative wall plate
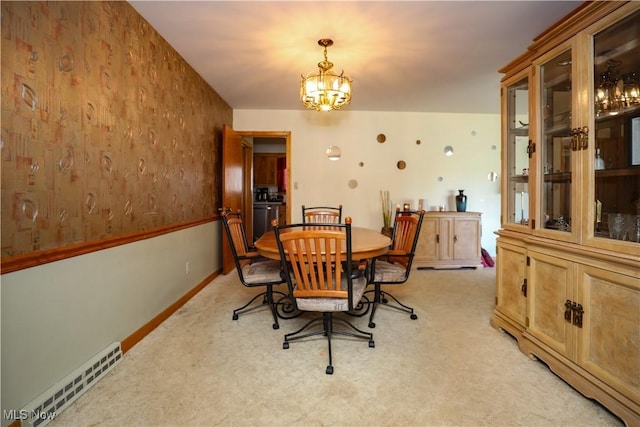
402, 164
381, 138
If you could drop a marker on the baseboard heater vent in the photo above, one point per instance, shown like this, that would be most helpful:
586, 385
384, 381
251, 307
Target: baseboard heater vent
45, 407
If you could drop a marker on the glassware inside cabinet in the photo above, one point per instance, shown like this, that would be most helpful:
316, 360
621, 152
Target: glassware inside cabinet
517, 157
555, 152
617, 130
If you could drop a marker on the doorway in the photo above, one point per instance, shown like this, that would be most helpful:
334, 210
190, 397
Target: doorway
242, 190
269, 183
271, 158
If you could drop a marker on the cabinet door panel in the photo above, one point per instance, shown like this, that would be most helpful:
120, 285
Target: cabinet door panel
427, 247
609, 341
445, 235
466, 239
510, 275
550, 284
265, 169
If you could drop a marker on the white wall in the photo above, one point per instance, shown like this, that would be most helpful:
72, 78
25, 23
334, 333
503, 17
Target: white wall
56, 316
320, 181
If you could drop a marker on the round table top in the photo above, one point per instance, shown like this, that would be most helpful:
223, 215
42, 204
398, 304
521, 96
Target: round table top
365, 243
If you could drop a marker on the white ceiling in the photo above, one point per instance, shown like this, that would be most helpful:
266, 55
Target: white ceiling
420, 56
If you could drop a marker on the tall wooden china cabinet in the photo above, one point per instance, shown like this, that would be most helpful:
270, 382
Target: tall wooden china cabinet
568, 251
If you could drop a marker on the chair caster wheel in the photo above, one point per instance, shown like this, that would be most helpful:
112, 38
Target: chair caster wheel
285, 345
329, 370
235, 317
372, 325
372, 344
276, 326
414, 317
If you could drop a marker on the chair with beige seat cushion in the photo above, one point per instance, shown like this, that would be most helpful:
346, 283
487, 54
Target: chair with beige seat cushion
253, 270
314, 258
393, 268
322, 214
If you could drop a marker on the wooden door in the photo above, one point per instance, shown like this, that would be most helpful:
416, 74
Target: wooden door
233, 175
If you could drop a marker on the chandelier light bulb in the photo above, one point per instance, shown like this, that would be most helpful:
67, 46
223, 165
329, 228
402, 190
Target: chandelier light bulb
630, 90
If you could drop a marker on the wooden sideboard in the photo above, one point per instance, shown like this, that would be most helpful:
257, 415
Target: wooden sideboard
449, 240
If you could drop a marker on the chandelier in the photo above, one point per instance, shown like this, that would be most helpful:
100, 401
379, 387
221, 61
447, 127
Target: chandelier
325, 90
614, 94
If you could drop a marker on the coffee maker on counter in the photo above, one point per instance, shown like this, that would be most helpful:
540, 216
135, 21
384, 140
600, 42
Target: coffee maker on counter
262, 194
268, 194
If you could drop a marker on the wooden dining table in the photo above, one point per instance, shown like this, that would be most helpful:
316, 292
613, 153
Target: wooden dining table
365, 243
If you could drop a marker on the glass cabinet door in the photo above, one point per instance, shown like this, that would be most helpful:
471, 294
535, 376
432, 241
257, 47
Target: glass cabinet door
616, 151
555, 143
516, 105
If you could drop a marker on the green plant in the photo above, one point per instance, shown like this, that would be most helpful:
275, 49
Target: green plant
385, 201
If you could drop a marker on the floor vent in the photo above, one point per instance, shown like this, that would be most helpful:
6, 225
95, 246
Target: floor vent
50, 403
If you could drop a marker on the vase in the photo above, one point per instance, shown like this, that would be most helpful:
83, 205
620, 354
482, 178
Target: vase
387, 231
598, 163
461, 201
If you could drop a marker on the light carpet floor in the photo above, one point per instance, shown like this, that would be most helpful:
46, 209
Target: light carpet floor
448, 368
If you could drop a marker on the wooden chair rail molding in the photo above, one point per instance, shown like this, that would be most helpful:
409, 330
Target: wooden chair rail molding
11, 264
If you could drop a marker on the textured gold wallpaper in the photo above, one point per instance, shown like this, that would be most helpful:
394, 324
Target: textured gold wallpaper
106, 130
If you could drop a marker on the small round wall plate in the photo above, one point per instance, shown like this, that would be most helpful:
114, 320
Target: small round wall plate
381, 138
401, 164
352, 183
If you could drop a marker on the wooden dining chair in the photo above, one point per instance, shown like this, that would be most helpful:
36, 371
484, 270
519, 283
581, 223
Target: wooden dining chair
320, 280
322, 214
394, 267
253, 270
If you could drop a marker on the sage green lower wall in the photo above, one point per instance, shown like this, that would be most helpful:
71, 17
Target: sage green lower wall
57, 316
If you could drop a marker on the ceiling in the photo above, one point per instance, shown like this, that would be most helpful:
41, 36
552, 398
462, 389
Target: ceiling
405, 56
